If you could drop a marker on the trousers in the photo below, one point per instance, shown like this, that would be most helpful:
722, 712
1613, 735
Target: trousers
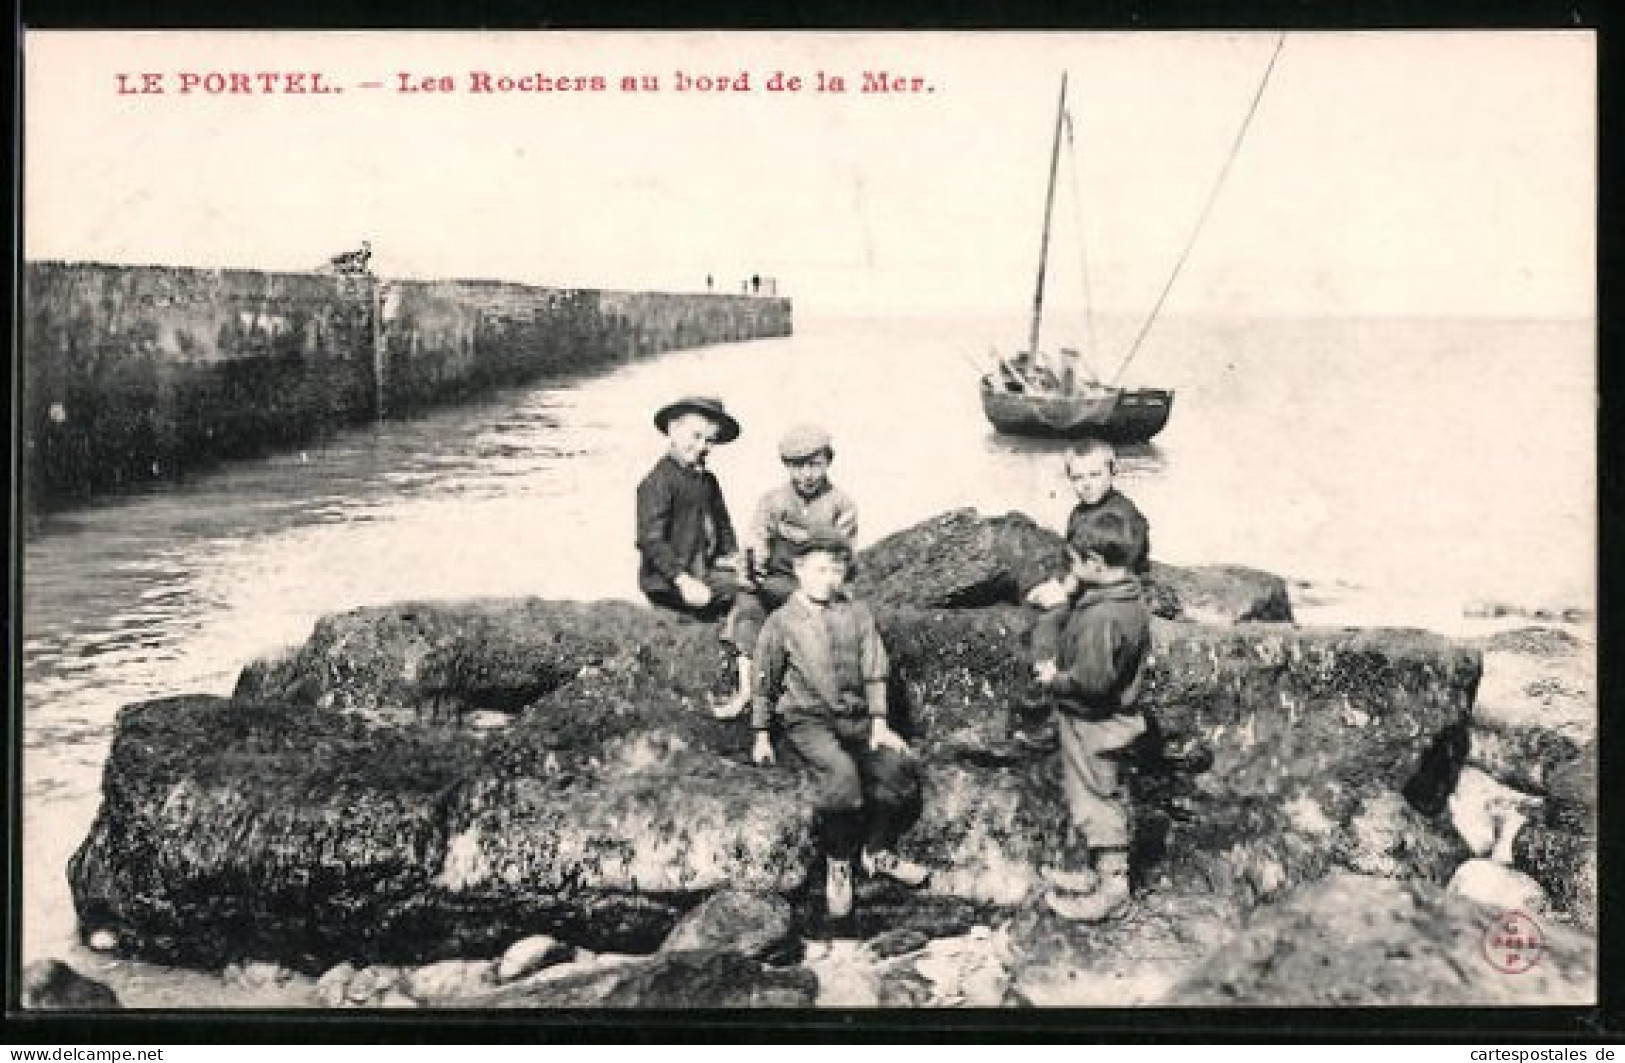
862, 796
1091, 775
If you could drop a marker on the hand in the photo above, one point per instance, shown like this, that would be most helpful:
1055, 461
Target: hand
762, 751
695, 594
1045, 671
1051, 594
881, 736
791, 530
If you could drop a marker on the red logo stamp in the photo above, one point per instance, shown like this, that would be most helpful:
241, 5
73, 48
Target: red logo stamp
1513, 942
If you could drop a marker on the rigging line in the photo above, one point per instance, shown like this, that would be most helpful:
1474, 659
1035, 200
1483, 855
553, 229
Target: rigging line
1207, 208
1083, 247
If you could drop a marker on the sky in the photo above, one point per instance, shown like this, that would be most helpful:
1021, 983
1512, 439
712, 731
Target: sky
1385, 173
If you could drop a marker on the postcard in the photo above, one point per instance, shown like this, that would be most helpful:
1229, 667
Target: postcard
525, 520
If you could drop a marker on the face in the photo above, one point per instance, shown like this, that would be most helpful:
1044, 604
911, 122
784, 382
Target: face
691, 436
1088, 568
1091, 476
809, 474
820, 575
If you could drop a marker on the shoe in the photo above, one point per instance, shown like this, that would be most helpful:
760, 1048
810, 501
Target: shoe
887, 863
1033, 699
1083, 880
1187, 754
731, 709
1109, 901
838, 888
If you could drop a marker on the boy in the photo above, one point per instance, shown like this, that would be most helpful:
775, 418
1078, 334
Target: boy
1090, 469
787, 515
1094, 686
685, 536
821, 669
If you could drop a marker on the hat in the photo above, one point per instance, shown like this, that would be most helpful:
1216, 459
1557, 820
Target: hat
803, 441
704, 405
825, 541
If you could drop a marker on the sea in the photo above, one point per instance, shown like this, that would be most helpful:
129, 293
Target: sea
1396, 471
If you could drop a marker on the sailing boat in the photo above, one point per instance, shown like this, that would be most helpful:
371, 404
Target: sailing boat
1030, 394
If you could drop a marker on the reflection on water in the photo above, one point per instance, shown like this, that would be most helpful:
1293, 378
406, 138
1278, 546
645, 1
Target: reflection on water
1328, 451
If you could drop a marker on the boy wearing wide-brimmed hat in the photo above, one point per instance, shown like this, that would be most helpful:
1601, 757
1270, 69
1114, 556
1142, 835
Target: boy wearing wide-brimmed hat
684, 533
806, 504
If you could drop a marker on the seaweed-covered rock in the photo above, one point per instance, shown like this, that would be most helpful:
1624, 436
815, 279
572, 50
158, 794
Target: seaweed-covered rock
1225, 594
759, 925
960, 560
679, 979
1565, 864
1352, 940
963, 560
1124, 962
51, 985
335, 809
1523, 757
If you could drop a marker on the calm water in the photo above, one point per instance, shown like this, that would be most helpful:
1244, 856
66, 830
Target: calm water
1402, 467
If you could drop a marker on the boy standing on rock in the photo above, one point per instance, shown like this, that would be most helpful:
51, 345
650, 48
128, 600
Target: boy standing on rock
684, 533
1090, 469
805, 505
821, 669
1094, 686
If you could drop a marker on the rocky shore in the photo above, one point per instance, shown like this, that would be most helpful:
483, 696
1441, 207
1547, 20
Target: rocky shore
524, 803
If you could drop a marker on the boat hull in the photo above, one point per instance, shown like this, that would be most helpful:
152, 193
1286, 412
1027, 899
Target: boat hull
1119, 416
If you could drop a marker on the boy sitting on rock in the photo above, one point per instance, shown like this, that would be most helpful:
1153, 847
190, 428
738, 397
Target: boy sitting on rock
685, 536
821, 670
1094, 686
786, 516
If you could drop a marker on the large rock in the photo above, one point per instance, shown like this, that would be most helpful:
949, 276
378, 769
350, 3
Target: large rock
51, 985
964, 560
1352, 940
681, 979
332, 810
960, 560
1129, 961
1225, 594
758, 925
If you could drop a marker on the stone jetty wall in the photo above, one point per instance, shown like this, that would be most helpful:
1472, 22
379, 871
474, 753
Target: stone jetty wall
132, 373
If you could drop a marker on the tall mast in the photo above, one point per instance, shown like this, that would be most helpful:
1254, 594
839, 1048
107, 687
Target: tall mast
1049, 205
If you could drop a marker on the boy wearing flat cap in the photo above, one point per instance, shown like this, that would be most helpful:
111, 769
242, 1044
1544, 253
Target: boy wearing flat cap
684, 533
804, 505
821, 672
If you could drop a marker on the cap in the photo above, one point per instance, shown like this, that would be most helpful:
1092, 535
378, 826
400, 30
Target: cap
803, 441
824, 541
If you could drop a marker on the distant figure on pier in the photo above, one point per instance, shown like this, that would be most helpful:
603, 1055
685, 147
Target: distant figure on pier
352, 263
756, 284
708, 284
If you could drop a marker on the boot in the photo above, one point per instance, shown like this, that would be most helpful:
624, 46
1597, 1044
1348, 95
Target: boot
887, 863
1108, 901
838, 888
1080, 880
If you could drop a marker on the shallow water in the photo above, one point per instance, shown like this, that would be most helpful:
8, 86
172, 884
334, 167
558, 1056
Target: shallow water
1401, 468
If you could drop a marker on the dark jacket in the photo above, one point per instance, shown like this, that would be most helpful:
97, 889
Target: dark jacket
1139, 528
683, 525
1103, 652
